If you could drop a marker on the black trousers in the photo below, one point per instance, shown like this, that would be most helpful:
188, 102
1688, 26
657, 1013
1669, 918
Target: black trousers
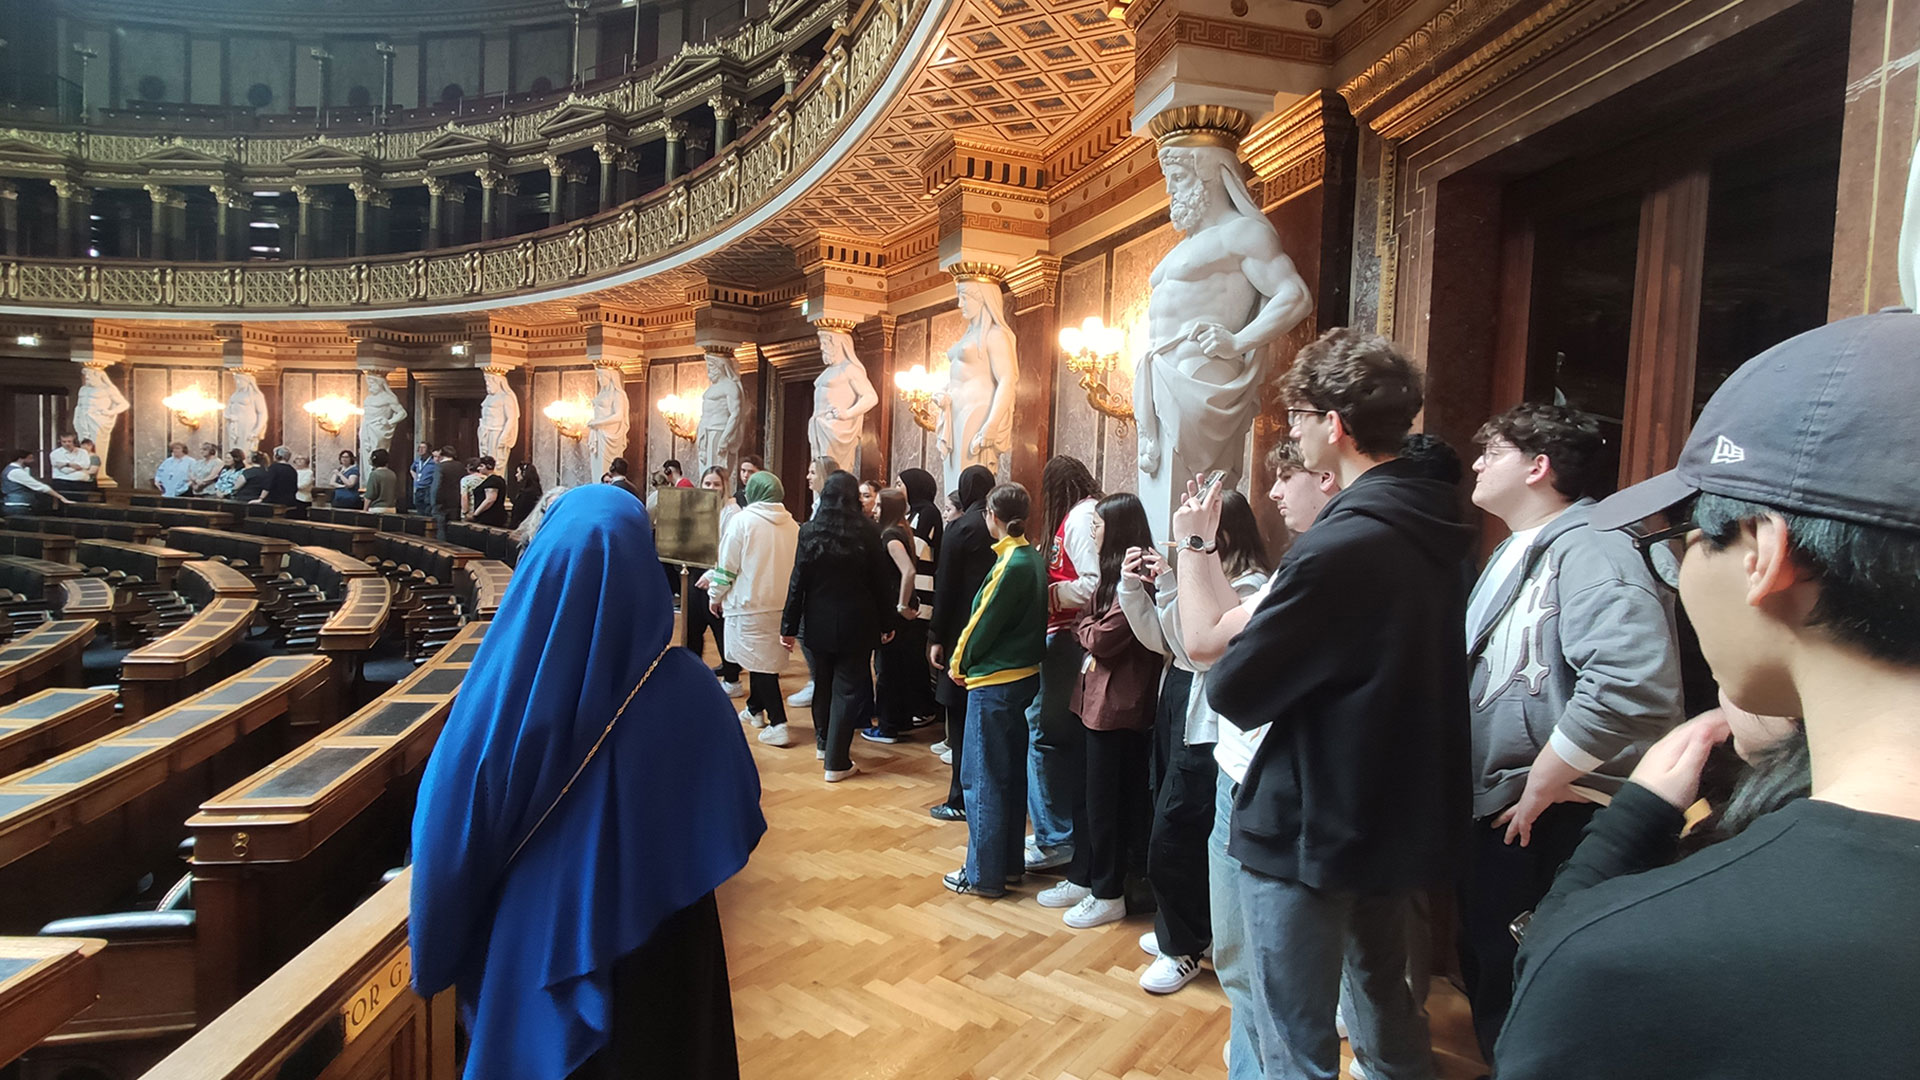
1501, 882
953, 698
1110, 826
842, 701
904, 686
1184, 782
700, 619
763, 696
672, 1009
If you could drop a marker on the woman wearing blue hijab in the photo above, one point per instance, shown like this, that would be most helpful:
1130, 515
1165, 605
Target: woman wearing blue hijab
590, 791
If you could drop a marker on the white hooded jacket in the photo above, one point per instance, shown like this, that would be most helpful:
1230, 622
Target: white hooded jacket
756, 560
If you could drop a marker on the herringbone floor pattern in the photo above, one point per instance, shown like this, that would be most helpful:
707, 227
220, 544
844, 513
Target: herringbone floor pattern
850, 961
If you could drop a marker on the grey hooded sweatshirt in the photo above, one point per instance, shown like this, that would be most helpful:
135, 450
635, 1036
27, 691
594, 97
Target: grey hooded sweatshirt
1577, 648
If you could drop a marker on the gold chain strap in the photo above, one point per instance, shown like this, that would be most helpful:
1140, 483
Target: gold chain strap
648, 674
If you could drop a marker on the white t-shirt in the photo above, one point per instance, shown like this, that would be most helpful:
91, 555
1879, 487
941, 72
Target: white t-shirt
1233, 751
70, 464
1506, 560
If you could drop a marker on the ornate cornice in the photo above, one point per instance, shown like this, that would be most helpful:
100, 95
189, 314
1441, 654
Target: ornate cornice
1233, 36
1413, 58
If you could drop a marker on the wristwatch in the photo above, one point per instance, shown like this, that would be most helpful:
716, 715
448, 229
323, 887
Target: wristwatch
1204, 547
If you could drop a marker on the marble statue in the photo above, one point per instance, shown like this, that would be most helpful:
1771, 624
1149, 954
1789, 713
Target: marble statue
382, 414
723, 410
975, 423
607, 431
246, 414
1218, 300
96, 409
842, 396
499, 419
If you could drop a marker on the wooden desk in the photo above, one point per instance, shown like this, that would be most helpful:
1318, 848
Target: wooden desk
51, 721
250, 839
214, 580
53, 650
337, 561
266, 553
44, 982
47, 547
35, 578
357, 626
154, 515
147, 674
347, 539
133, 532
87, 598
148, 562
490, 580
344, 1003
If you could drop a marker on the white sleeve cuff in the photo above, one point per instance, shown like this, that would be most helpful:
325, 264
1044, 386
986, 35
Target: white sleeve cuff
1572, 754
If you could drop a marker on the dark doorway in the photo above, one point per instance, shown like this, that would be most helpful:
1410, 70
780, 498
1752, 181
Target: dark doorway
456, 423
796, 405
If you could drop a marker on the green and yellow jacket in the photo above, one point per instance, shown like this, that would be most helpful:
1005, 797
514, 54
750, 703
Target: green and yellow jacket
1006, 636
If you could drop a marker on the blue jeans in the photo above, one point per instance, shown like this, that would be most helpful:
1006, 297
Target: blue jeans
995, 781
1230, 940
1057, 744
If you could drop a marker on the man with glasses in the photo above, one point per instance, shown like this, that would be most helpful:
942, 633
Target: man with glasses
1792, 948
1356, 798
1575, 671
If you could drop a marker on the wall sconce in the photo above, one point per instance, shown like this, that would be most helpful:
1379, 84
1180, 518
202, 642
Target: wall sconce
919, 388
332, 411
683, 415
1092, 351
571, 417
190, 406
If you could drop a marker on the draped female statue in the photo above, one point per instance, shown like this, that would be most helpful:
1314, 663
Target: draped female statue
96, 409
246, 414
842, 396
722, 416
976, 412
607, 431
499, 419
381, 414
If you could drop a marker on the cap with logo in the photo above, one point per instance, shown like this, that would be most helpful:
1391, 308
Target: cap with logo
1825, 424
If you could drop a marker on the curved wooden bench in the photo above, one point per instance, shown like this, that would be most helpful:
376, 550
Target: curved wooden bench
50, 652
48, 547
488, 580
48, 801
265, 553
149, 674
44, 982
204, 581
133, 532
250, 842
51, 721
315, 564
357, 626
87, 598
153, 515
348, 539
150, 563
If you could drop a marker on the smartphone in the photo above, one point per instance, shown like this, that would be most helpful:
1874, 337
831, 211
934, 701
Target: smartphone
1211, 483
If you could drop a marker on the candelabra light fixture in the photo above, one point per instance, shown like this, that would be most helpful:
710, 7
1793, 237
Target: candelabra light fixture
1093, 350
331, 412
920, 389
571, 417
683, 415
191, 406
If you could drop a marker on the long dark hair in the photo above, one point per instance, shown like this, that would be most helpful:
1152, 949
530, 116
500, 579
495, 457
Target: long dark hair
528, 480
1241, 549
1126, 527
1778, 775
838, 527
1065, 483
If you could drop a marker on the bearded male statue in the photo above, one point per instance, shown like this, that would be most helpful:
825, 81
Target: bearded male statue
1220, 298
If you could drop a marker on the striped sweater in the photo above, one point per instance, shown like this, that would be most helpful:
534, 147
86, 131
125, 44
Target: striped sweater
1006, 635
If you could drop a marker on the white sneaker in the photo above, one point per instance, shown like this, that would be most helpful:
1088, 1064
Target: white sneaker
946, 757
938, 748
1065, 894
1093, 911
834, 776
801, 698
1150, 943
819, 754
1169, 973
1048, 858
776, 735
753, 719
731, 689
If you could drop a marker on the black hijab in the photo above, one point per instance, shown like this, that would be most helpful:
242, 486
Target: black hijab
975, 482
923, 509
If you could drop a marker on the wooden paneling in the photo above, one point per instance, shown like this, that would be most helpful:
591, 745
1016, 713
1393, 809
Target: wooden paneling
1666, 326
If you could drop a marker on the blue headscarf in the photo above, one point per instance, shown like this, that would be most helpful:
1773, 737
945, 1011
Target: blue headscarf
667, 809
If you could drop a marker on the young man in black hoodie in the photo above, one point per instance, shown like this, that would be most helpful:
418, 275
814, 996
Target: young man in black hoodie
966, 556
1356, 798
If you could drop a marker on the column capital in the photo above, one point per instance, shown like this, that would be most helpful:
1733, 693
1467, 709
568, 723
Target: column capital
489, 178
555, 166
437, 186
71, 190
607, 152
8, 190
723, 105
305, 194
676, 130
364, 191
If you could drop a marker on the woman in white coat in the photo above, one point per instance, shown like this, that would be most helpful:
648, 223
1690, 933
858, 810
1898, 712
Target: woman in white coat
749, 587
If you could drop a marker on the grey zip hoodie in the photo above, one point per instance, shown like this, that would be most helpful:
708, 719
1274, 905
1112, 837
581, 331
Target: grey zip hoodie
1577, 648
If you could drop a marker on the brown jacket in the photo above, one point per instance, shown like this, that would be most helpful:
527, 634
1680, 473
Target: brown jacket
1120, 678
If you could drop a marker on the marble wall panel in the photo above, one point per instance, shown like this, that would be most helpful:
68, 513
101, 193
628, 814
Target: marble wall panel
151, 426
543, 439
911, 443
662, 379
570, 461
1076, 427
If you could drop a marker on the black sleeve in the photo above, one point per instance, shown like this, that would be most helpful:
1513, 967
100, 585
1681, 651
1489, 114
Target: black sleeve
884, 579
1638, 831
796, 597
947, 572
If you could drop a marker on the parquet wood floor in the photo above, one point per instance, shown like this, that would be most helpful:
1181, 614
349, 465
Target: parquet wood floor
850, 961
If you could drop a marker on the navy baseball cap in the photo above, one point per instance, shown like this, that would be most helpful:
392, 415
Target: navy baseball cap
1825, 424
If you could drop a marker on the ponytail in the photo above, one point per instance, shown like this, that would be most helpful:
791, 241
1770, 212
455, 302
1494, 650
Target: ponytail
1011, 504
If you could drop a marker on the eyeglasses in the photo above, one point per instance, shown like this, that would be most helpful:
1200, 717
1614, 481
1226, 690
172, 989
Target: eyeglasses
1291, 413
1663, 549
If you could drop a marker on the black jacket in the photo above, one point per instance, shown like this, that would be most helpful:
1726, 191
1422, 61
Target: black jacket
965, 558
1357, 657
446, 489
282, 484
845, 598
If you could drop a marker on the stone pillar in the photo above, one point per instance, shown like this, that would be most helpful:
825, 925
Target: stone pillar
676, 137
609, 156
366, 197
9, 218
436, 191
556, 189
789, 72
1035, 287
98, 405
161, 200
453, 225
724, 107
699, 151
305, 236
70, 218
509, 219
629, 176
489, 180
229, 232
